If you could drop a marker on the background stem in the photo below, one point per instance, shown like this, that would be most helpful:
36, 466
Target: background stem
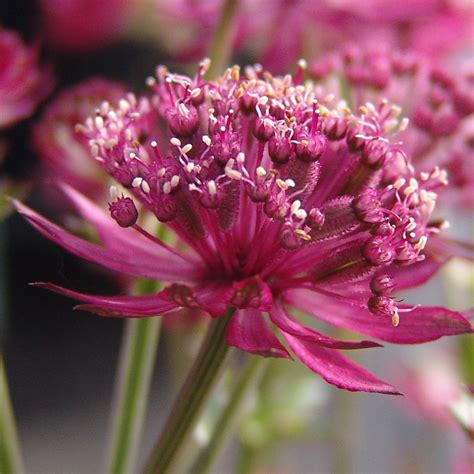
224, 423
10, 456
135, 370
221, 45
191, 398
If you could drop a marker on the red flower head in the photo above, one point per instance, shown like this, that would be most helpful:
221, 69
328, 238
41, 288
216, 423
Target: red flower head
318, 221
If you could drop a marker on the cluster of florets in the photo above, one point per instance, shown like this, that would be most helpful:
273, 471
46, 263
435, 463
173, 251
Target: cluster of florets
265, 176
65, 151
439, 105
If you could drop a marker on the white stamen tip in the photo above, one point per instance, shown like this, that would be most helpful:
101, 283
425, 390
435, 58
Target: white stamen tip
137, 182
145, 187
211, 186
174, 181
113, 191
187, 148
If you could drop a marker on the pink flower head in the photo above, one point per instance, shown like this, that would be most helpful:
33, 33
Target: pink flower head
83, 25
431, 384
278, 202
439, 104
278, 32
65, 149
23, 83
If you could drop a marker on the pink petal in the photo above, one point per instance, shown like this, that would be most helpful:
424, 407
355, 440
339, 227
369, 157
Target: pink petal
420, 325
114, 236
249, 331
288, 324
452, 247
123, 260
335, 368
210, 297
416, 274
127, 306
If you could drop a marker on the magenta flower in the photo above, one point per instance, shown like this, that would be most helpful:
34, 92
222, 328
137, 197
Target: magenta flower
63, 149
279, 200
23, 83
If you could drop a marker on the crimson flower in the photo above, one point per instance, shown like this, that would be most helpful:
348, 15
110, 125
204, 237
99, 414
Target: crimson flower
23, 83
278, 200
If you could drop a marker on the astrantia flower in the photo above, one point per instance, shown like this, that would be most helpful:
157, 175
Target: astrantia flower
278, 200
63, 149
23, 83
438, 103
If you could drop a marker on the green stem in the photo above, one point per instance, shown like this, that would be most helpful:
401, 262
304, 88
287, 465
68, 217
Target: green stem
10, 456
137, 357
191, 398
247, 459
225, 421
221, 44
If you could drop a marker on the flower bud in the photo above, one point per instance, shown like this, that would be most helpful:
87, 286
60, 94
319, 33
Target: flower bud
310, 148
382, 306
377, 252
124, 212
382, 284
315, 219
182, 120
264, 129
279, 149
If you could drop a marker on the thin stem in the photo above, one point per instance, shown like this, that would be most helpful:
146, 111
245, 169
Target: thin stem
221, 44
247, 459
191, 398
225, 421
135, 370
10, 455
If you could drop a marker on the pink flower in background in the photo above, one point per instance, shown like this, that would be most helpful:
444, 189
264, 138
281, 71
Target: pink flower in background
83, 25
431, 384
278, 198
439, 105
23, 82
278, 32
61, 147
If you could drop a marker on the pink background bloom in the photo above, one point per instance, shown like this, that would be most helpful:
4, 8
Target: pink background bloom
83, 25
23, 82
63, 149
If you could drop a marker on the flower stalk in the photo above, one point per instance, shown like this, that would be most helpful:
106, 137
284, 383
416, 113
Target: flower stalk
192, 397
221, 45
10, 454
208, 455
133, 382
